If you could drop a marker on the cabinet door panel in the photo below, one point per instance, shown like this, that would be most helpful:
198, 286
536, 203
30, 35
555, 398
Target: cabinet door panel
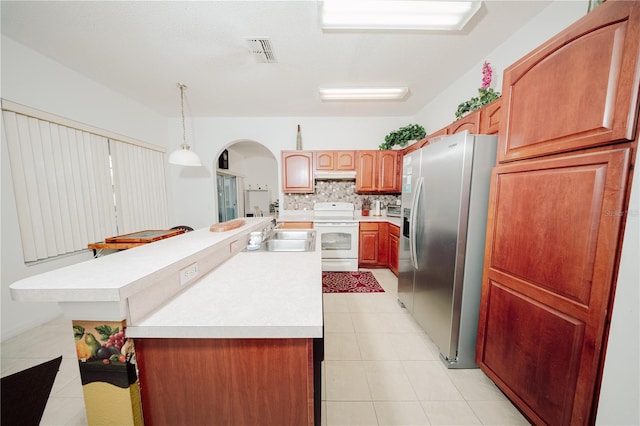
368, 250
324, 160
394, 246
559, 239
389, 167
345, 160
577, 90
297, 171
383, 244
536, 350
490, 117
552, 240
366, 171
470, 122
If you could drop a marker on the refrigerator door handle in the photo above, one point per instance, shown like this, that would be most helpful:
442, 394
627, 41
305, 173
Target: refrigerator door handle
412, 223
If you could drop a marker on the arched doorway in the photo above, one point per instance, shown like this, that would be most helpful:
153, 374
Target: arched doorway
249, 184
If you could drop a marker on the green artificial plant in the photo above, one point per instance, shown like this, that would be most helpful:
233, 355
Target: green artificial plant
403, 135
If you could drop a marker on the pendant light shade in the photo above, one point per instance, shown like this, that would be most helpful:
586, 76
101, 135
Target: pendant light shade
184, 156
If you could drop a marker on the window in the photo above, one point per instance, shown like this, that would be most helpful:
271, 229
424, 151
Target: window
75, 185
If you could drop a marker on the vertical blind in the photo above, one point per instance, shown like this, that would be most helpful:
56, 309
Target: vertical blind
141, 198
74, 186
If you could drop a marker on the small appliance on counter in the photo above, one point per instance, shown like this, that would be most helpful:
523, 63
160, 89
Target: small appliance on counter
393, 210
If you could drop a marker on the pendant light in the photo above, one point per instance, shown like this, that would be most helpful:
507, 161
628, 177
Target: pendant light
184, 156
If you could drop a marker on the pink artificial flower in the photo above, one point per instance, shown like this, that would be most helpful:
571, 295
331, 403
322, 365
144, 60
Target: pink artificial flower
486, 75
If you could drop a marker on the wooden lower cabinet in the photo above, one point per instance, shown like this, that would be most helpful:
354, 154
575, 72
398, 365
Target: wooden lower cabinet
552, 250
369, 245
374, 245
228, 381
394, 246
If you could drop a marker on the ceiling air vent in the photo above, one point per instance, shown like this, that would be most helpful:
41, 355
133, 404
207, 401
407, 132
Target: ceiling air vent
261, 50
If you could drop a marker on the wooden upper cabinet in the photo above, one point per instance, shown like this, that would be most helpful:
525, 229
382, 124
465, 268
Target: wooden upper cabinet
366, 171
324, 160
389, 171
378, 171
490, 117
484, 121
577, 90
470, 122
297, 171
335, 160
345, 160
441, 132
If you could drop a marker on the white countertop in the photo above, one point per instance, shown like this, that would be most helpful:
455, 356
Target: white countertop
252, 295
118, 275
235, 294
307, 216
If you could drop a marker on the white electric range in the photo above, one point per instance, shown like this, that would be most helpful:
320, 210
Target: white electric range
337, 227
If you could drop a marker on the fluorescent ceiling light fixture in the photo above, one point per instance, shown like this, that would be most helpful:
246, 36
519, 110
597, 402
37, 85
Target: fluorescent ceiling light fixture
397, 14
363, 94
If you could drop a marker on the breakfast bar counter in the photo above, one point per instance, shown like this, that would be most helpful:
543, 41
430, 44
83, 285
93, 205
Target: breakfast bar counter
216, 329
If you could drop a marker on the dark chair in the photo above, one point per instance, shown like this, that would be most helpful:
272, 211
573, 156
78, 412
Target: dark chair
25, 393
184, 227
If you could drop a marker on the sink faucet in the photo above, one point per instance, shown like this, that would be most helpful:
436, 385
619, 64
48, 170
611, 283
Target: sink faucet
268, 229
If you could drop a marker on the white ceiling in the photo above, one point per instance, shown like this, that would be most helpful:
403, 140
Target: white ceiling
141, 49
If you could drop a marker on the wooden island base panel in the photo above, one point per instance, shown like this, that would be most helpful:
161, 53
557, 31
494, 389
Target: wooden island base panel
227, 381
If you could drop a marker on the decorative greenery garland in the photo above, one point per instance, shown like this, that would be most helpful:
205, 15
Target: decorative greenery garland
403, 135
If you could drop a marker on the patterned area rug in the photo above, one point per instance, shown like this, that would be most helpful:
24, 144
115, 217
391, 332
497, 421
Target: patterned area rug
350, 282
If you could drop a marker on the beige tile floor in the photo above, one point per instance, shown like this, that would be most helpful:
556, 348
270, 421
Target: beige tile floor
380, 368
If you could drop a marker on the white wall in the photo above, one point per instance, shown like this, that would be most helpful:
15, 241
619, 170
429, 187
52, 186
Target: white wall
36, 81
553, 19
195, 202
262, 173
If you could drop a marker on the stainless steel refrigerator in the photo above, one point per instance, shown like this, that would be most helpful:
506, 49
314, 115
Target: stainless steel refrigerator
445, 193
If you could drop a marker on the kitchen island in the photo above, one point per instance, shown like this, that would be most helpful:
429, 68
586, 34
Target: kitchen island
221, 335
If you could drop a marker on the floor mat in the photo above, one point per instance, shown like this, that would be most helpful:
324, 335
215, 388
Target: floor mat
350, 282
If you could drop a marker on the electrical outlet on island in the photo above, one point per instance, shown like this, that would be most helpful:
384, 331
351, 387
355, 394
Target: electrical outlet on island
188, 274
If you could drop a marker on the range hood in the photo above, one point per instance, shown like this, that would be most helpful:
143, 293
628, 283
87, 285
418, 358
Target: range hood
335, 175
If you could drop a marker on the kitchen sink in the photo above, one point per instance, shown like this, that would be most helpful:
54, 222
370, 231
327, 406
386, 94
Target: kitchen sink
290, 240
292, 235
290, 245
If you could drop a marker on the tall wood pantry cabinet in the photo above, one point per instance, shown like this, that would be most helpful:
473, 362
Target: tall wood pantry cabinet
558, 201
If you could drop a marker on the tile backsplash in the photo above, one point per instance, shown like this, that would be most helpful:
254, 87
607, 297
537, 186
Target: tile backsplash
333, 190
